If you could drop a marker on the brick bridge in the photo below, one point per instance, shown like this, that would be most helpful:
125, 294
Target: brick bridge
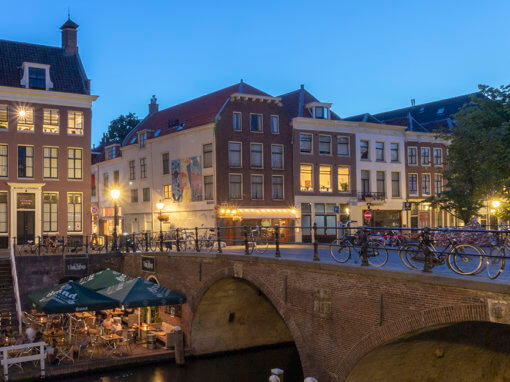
335, 314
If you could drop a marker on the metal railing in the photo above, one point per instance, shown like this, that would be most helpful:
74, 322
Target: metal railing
18, 354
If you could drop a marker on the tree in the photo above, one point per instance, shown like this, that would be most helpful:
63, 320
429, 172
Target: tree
477, 164
119, 128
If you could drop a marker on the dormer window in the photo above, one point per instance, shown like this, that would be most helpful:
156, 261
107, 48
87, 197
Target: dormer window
141, 139
321, 112
112, 152
36, 76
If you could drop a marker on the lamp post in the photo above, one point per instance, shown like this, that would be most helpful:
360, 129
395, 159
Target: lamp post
160, 207
115, 193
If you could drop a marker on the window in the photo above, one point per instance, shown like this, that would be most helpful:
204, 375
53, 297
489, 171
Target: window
207, 153
277, 187
166, 163
256, 122
275, 124
425, 184
306, 220
131, 169
306, 177
412, 156
425, 156
134, 195
325, 218
256, 155
237, 121
116, 178
305, 143
106, 184
325, 144
146, 194
325, 178
395, 185
50, 121
37, 78
50, 162
4, 120
75, 123
141, 139
438, 184
257, 187
74, 163
365, 182
4, 160
363, 148
413, 184
343, 179
380, 182
26, 119
234, 186
234, 154
112, 152
277, 157
25, 161
342, 146
321, 112
74, 212
438, 157
93, 184
379, 151
3, 212
394, 152
208, 187
50, 212
167, 191
143, 169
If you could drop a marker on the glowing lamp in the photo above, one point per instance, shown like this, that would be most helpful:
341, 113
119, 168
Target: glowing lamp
228, 211
496, 203
22, 113
160, 205
293, 210
234, 211
222, 211
115, 194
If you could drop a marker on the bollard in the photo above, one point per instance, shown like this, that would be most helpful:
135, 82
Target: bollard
427, 265
179, 347
177, 240
310, 379
246, 248
278, 373
218, 238
315, 243
277, 240
364, 247
197, 248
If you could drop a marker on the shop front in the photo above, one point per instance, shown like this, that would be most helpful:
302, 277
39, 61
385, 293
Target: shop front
105, 223
385, 218
327, 216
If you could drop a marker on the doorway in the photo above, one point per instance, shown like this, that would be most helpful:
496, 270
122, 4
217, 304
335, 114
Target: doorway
26, 226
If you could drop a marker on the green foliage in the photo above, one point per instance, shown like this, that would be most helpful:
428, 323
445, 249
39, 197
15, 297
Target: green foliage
477, 164
119, 128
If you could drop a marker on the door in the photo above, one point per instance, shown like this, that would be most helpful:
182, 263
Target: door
26, 226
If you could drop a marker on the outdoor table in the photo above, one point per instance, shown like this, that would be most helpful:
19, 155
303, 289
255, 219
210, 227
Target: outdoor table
64, 351
111, 340
84, 315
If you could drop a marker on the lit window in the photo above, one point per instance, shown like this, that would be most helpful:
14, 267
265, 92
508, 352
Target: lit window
3, 212
363, 148
26, 119
4, 160
379, 151
325, 178
50, 212
275, 124
305, 143
325, 144
306, 177
257, 187
236, 121
343, 179
25, 161
277, 157
51, 123
50, 162
342, 146
4, 121
234, 154
256, 122
74, 163
235, 186
74, 212
256, 155
167, 191
75, 123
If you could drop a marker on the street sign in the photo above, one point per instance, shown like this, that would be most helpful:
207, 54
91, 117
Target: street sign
337, 209
94, 210
367, 215
406, 206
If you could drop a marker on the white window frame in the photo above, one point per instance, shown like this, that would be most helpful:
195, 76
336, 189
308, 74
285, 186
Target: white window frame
368, 150
277, 118
330, 144
78, 149
383, 151
399, 185
283, 187
348, 181
417, 184
33, 164
240, 121
282, 154
81, 213
73, 130
251, 186
252, 165
51, 161
434, 150
241, 183
51, 213
398, 152
348, 146
330, 190
260, 117
240, 154
409, 156
6, 165
311, 144
422, 183
422, 157
50, 128
312, 177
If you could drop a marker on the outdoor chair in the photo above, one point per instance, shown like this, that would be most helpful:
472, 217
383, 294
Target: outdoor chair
125, 344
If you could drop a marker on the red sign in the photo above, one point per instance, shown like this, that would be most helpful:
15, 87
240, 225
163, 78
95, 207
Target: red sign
367, 215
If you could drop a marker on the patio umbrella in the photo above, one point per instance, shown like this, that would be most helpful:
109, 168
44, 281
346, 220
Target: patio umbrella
103, 279
69, 298
138, 292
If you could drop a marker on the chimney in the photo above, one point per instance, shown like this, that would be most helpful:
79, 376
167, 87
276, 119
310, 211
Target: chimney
69, 37
153, 106
413, 102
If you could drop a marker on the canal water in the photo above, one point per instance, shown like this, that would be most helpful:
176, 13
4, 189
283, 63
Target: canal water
246, 366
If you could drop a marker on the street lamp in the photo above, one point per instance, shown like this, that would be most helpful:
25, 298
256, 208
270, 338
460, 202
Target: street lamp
160, 207
115, 193
496, 203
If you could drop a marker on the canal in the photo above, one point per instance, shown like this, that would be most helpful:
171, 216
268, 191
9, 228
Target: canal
246, 366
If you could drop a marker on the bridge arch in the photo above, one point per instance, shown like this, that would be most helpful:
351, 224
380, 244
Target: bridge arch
226, 280
412, 324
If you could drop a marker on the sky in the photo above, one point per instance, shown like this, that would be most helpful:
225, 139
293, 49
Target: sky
369, 56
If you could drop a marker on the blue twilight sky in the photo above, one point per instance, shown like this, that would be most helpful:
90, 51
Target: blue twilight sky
368, 56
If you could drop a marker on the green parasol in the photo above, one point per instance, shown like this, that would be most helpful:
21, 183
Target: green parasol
103, 279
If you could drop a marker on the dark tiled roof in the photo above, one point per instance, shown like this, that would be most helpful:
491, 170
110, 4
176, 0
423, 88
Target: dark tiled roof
69, 24
294, 102
367, 117
197, 112
66, 71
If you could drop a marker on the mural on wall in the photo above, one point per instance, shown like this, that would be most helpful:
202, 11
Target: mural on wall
176, 180
187, 180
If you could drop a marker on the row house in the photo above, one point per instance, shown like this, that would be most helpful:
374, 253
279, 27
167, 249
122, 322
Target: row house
45, 126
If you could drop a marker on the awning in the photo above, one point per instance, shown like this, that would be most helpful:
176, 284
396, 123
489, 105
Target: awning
103, 279
259, 213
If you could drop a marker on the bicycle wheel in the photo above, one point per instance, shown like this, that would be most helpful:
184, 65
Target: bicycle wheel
340, 250
406, 251
377, 254
261, 243
495, 262
415, 256
465, 259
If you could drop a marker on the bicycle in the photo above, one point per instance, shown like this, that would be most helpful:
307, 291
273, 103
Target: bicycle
258, 239
28, 248
97, 244
341, 249
495, 262
460, 258
207, 240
